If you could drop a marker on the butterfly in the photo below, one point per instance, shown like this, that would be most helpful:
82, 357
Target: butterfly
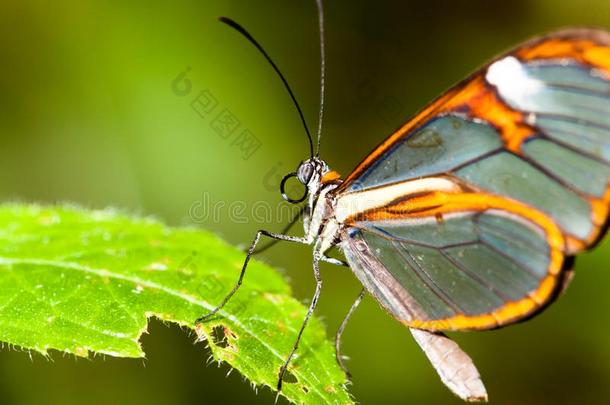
469, 216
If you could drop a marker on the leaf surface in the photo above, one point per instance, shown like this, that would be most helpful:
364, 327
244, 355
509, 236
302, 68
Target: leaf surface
86, 282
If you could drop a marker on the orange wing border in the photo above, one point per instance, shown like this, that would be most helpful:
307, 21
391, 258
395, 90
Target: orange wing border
476, 98
437, 204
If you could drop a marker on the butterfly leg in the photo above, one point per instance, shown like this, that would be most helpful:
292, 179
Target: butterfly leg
260, 233
317, 255
290, 224
334, 261
351, 311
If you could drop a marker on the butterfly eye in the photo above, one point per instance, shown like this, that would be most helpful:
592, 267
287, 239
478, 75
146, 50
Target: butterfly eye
305, 172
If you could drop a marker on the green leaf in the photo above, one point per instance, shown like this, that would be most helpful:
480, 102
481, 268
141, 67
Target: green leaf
85, 282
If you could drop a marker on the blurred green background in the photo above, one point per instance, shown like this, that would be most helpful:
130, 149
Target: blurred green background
89, 114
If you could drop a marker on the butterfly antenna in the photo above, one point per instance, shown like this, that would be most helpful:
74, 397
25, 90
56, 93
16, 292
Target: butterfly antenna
249, 37
322, 73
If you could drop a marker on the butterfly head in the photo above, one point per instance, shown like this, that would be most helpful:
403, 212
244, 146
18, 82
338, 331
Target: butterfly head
309, 173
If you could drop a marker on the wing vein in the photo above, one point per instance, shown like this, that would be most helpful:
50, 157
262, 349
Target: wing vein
423, 275
460, 266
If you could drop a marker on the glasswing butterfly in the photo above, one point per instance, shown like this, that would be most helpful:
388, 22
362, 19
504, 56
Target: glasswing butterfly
468, 217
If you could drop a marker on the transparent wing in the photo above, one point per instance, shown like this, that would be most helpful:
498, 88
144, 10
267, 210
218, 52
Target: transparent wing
466, 270
532, 126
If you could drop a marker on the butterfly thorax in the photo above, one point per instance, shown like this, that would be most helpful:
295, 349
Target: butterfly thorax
319, 221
